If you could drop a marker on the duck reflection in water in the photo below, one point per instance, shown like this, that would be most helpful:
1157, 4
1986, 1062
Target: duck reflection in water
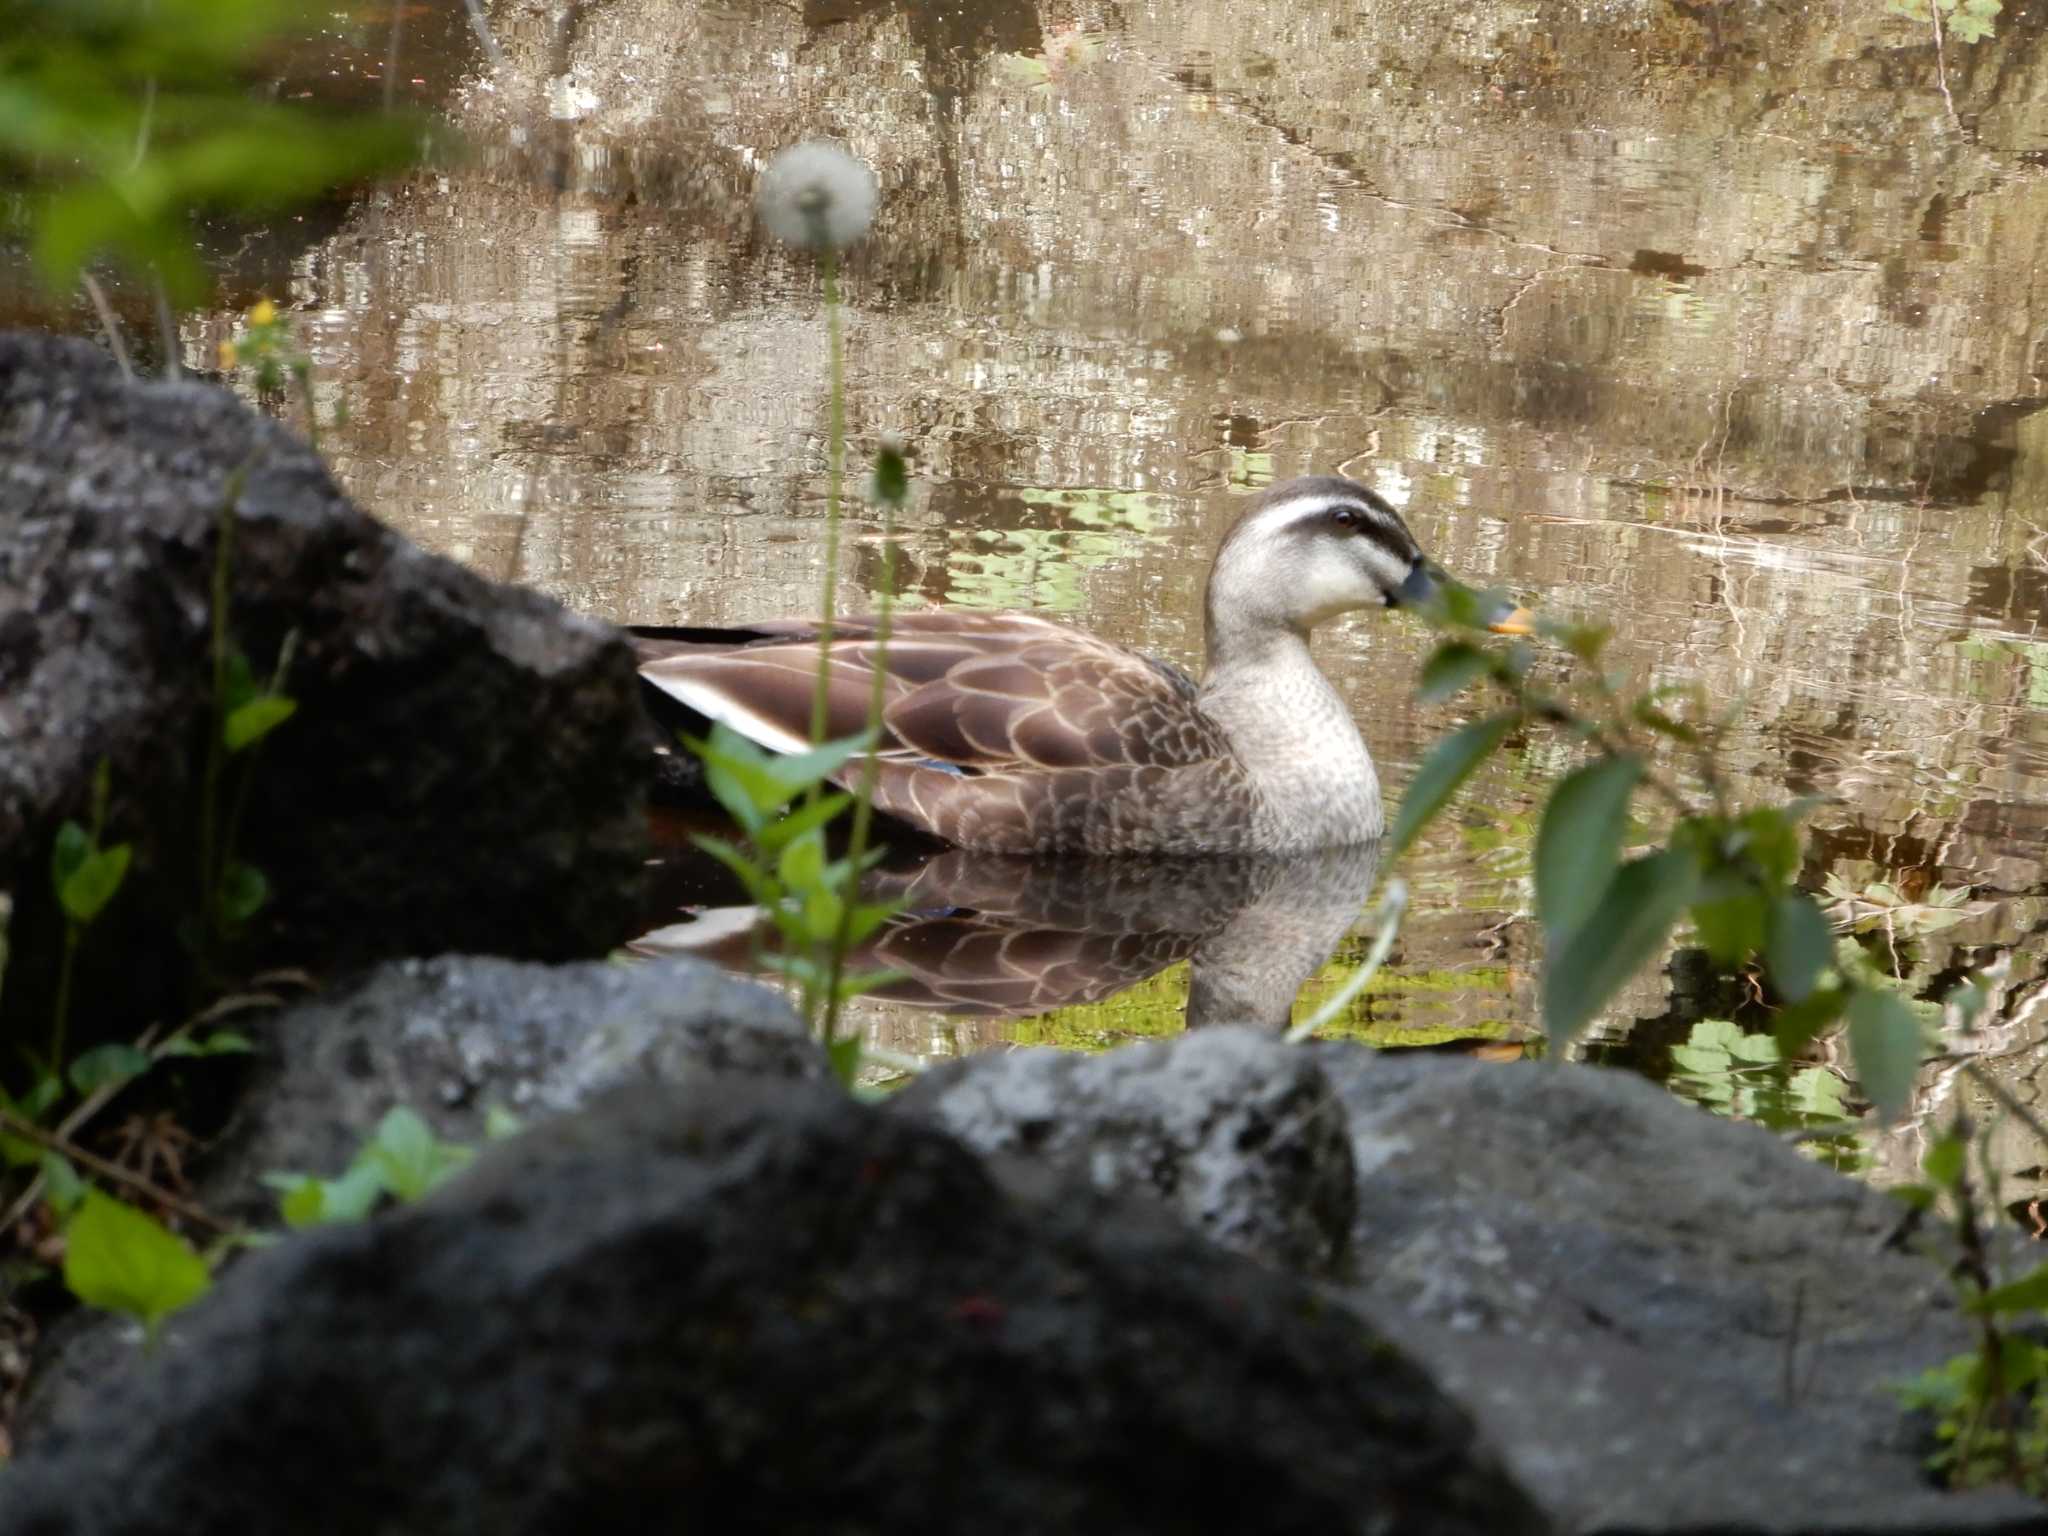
998, 936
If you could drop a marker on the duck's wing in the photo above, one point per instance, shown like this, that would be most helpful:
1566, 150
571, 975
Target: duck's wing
978, 693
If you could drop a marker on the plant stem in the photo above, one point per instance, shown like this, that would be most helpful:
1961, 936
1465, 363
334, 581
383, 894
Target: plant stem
60, 1015
864, 795
835, 470
14, 1125
209, 797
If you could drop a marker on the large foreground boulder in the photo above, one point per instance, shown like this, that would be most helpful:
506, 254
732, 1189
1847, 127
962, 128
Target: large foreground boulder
464, 769
753, 1305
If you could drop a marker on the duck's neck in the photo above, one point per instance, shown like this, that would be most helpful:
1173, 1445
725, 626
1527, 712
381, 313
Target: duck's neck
1292, 731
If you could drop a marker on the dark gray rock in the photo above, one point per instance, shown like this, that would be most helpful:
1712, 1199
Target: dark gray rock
455, 1036
758, 1307
1667, 1321
465, 771
1235, 1132
450, 1038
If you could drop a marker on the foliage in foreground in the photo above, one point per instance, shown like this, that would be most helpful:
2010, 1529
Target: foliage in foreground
128, 117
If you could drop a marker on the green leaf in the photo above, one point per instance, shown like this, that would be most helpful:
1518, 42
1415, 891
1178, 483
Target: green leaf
2029, 1293
801, 868
1884, 1040
1621, 935
307, 1201
1578, 845
1943, 1163
844, 1055
70, 850
251, 722
737, 860
500, 1123
62, 1186
1730, 915
803, 819
238, 684
1798, 947
105, 1065
88, 888
800, 771
243, 891
1770, 836
736, 773
1449, 764
408, 1158
1796, 1027
120, 1260
1450, 668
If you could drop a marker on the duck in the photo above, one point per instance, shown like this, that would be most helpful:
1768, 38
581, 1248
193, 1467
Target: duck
1014, 733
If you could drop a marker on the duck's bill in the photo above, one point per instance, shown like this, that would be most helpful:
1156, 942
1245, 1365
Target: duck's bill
1516, 620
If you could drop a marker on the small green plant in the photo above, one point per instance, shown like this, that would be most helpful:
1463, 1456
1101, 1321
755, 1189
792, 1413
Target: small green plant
245, 712
85, 877
1988, 1408
403, 1160
1730, 869
266, 348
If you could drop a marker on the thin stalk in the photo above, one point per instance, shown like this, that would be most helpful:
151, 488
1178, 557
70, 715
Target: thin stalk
209, 798
60, 1013
232, 833
108, 322
864, 795
106, 1169
835, 471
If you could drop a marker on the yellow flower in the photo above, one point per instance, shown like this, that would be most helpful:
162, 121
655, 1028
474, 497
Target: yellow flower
265, 313
228, 355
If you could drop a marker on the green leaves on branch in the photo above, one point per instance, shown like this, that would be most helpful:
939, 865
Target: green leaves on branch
1731, 871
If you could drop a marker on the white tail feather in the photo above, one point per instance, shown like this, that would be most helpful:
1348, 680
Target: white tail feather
714, 703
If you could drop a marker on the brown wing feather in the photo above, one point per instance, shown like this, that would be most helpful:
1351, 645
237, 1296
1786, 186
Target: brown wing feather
985, 691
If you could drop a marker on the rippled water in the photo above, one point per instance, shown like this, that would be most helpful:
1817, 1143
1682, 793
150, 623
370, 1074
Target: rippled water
1713, 325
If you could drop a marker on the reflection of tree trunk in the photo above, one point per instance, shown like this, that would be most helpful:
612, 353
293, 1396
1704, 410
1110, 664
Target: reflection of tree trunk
953, 38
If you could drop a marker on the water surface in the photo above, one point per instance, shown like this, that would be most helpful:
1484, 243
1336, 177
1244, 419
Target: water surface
1713, 324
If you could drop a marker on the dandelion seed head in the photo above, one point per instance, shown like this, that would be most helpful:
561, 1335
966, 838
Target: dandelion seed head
816, 196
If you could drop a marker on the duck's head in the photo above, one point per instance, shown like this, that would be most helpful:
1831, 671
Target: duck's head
1307, 550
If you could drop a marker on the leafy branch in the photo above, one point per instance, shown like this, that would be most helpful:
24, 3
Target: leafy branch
1730, 869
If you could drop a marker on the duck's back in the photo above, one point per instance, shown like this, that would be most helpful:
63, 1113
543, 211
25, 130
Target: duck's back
1004, 732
